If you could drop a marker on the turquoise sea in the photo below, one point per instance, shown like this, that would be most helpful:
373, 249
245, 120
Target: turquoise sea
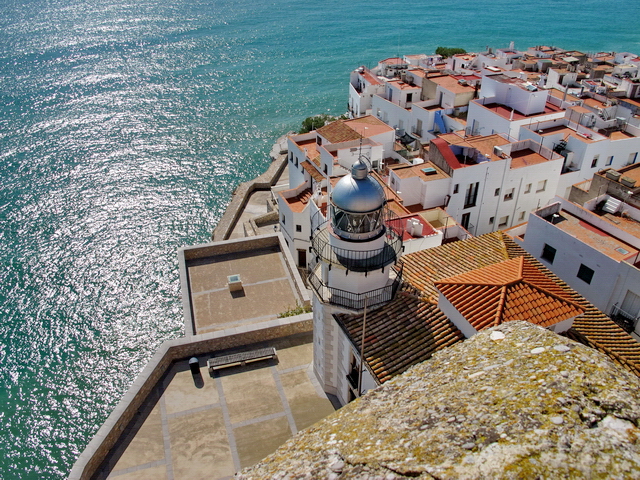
124, 127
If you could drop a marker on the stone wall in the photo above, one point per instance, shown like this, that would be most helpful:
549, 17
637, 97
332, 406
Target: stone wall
241, 195
515, 401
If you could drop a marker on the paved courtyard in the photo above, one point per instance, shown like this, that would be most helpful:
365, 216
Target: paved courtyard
205, 427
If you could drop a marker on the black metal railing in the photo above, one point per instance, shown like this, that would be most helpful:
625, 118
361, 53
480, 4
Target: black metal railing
359, 260
351, 300
624, 319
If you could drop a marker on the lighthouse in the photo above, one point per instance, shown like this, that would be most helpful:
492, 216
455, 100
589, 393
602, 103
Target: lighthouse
355, 252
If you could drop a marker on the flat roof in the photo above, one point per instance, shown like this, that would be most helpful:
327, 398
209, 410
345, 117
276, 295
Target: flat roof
269, 286
403, 85
484, 144
507, 112
310, 147
526, 157
594, 237
569, 132
369, 77
554, 92
426, 171
515, 81
450, 83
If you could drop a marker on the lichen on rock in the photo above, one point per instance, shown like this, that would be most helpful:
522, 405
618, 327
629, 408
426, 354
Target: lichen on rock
524, 403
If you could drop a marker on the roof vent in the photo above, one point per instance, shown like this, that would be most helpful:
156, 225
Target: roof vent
628, 181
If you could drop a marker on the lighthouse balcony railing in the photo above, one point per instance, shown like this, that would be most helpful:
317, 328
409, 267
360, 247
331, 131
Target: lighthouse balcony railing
351, 300
358, 260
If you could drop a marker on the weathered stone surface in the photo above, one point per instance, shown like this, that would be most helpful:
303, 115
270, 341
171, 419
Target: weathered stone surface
486, 408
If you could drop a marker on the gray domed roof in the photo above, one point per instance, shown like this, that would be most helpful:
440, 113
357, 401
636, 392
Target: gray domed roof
358, 192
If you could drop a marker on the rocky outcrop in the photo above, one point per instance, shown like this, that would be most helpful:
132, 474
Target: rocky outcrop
515, 401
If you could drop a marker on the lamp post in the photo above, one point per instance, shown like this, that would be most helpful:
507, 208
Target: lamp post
364, 325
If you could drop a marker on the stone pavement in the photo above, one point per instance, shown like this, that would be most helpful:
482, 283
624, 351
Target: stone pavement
267, 289
207, 427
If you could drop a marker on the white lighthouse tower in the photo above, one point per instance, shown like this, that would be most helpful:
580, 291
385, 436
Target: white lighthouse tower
355, 252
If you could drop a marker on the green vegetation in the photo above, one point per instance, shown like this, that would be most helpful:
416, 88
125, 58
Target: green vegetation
447, 52
293, 311
317, 121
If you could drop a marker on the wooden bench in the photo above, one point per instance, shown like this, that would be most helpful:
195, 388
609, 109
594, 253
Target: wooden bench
241, 358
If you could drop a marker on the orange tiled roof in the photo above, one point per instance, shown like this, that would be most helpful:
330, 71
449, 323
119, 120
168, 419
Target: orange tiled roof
338, 131
404, 332
313, 171
368, 126
507, 291
409, 329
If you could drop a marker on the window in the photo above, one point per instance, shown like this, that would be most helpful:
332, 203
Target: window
542, 185
585, 273
548, 253
302, 258
455, 188
503, 221
471, 195
527, 188
509, 194
491, 219
325, 168
497, 192
298, 228
409, 97
464, 223
521, 216
609, 160
594, 162
632, 158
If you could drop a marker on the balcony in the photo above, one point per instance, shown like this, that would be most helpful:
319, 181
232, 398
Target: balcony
358, 260
350, 300
624, 319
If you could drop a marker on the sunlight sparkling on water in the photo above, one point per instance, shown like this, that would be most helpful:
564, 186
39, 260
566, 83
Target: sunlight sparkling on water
124, 128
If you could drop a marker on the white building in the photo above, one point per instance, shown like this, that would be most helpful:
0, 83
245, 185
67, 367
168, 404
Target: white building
363, 85
585, 150
507, 103
485, 183
317, 160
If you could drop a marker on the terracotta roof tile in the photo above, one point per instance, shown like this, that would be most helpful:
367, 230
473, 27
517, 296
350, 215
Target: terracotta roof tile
411, 328
338, 131
315, 174
514, 289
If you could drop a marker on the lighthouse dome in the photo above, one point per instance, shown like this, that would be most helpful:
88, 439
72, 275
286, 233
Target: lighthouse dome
358, 192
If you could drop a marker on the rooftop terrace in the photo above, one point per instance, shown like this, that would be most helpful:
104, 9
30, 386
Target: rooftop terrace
592, 236
210, 427
270, 283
